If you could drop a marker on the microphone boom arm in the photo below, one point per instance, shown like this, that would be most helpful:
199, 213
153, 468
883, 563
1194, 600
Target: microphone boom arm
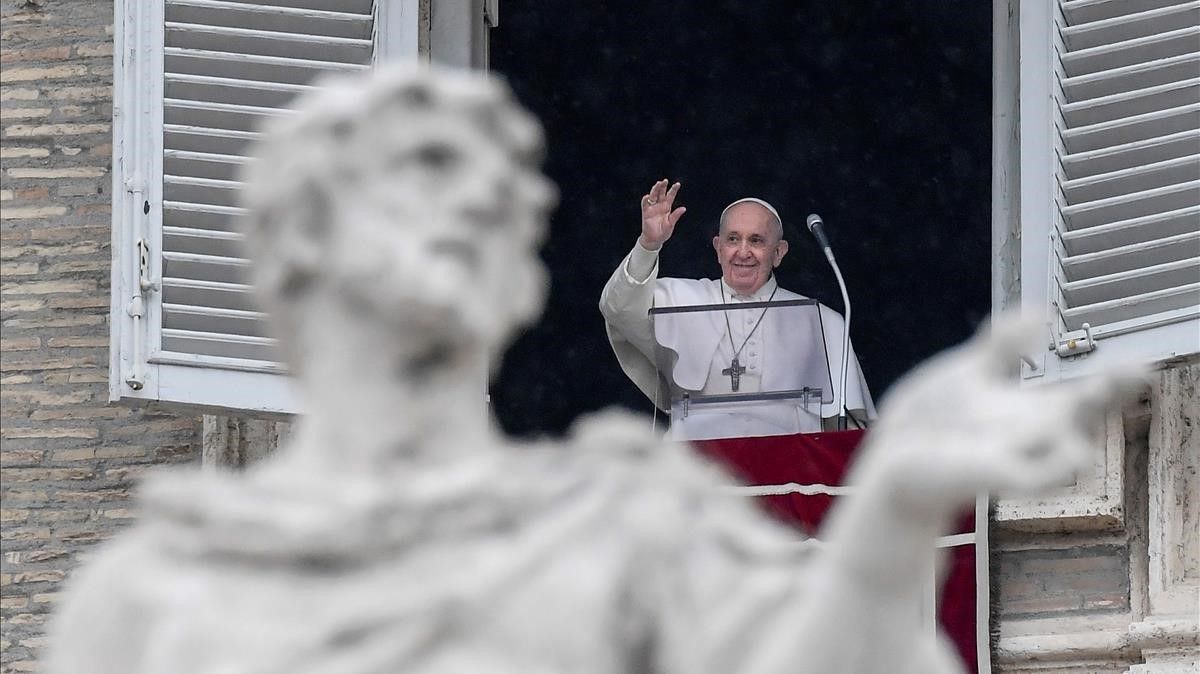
817, 226
843, 413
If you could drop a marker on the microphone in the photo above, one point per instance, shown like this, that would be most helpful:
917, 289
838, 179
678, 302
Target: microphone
817, 226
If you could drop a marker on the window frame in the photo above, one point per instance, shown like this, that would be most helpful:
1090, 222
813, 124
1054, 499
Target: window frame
1037, 209
139, 371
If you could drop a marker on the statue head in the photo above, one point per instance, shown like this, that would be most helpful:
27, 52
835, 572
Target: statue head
411, 194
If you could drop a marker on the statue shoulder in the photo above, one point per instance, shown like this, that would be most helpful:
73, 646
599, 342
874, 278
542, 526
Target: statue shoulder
108, 610
683, 490
622, 446
615, 432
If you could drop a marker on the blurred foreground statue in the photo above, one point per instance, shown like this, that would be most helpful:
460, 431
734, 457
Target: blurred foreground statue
394, 221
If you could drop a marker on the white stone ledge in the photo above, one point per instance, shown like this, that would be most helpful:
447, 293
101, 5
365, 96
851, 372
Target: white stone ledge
1111, 647
1166, 633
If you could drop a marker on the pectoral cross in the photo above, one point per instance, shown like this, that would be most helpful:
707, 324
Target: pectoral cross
734, 372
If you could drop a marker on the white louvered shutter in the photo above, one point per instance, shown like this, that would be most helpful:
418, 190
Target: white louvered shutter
1123, 224
194, 80
227, 66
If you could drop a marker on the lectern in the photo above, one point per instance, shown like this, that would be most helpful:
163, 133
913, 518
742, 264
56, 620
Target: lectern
743, 369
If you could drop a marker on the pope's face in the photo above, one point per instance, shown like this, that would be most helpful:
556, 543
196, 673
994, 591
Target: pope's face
748, 247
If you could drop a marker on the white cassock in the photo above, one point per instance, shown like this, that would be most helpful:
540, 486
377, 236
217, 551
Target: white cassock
789, 348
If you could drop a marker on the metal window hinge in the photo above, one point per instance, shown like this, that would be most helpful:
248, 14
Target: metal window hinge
136, 309
135, 185
1075, 343
491, 13
145, 285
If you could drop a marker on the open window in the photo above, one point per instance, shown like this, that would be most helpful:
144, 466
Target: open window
1096, 206
193, 79
1108, 195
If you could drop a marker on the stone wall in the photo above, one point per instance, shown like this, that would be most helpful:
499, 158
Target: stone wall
68, 457
1090, 580
1056, 577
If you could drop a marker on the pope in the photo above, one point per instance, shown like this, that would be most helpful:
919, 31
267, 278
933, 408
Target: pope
745, 351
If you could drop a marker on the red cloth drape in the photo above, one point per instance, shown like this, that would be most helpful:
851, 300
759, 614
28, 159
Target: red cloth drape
824, 458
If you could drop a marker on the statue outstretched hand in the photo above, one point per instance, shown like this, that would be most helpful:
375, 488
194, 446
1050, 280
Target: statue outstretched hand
659, 215
959, 425
963, 423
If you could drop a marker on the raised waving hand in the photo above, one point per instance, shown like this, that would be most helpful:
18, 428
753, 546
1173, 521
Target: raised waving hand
658, 215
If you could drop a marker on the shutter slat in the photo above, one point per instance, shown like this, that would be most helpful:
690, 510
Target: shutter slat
231, 90
1136, 308
198, 216
205, 156
216, 107
210, 293
353, 6
202, 241
1131, 26
1185, 246
244, 41
1130, 283
201, 190
206, 234
203, 182
202, 164
1125, 207
1134, 179
205, 267
214, 320
218, 337
212, 209
293, 70
1132, 103
188, 198
1130, 52
203, 139
219, 344
1126, 232
219, 115
1128, 155
1081, 11
270, 18
214, 312
1117, 327
1156, 124
1138, 75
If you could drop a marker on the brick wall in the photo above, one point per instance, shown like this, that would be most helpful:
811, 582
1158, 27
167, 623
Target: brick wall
1062, 579
69, 458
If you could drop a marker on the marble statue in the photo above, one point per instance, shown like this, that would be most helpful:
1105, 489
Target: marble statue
394, 221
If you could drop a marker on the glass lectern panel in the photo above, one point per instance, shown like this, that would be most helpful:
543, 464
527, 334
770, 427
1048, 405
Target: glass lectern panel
744, 369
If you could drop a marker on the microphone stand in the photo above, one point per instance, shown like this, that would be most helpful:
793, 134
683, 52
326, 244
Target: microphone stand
817, 227
843, 413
